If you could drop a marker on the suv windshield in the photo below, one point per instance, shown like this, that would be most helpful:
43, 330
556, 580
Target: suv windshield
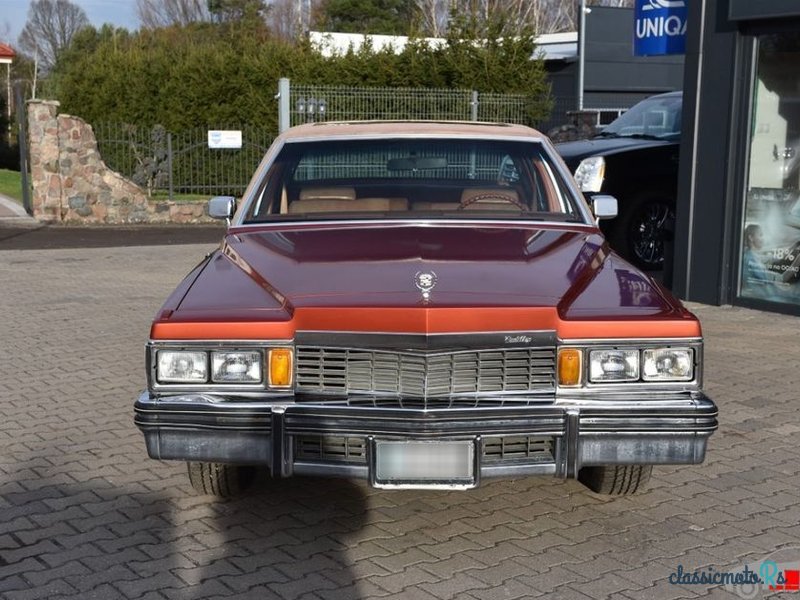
398, 178
657, 117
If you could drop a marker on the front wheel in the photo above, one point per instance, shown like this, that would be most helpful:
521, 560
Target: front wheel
219, 479
644, 231
618, 480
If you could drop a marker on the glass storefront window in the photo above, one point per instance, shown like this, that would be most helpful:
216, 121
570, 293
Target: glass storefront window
770, 258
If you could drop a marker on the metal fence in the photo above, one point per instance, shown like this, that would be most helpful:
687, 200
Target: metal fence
310, 103
177, 163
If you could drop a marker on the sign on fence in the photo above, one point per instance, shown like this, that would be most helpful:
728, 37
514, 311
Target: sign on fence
224, 139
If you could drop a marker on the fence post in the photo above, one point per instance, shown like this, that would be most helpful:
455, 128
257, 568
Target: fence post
284, 108
24, 161
474, 105
169, 163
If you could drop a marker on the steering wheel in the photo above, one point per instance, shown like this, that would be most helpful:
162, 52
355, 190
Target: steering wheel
493, 196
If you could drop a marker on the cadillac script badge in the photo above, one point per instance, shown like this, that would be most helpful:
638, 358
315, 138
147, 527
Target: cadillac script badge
425, 282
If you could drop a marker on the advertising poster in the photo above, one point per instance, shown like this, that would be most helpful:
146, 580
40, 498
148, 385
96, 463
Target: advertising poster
770, 268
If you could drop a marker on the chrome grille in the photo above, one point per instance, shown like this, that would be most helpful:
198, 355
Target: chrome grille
353, 450
517, 448
331, 449
347, 371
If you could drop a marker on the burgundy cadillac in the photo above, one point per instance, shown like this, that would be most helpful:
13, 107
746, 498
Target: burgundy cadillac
421, 305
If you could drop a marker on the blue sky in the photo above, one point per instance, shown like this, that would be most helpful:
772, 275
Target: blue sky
14, 13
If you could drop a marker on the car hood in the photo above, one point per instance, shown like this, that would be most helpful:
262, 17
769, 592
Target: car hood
348, 272
574, 152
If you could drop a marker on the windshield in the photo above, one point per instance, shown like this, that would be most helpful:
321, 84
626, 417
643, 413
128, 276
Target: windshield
658, 117
401, 178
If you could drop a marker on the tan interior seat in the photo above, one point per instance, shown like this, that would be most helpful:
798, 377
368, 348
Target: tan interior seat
436, 206
328, 193
354, 205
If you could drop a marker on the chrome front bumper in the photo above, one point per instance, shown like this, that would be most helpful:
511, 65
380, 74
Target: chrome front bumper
667, 429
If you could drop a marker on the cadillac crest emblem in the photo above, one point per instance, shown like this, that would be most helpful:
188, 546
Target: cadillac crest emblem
425, 282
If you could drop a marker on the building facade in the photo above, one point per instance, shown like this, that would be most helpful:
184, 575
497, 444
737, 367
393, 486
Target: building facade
738, 214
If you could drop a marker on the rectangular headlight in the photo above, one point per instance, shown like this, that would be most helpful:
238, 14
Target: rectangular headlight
177, 366
668, 364
236, 367
607, 366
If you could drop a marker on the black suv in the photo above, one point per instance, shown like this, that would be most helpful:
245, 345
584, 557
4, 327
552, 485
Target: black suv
635, 159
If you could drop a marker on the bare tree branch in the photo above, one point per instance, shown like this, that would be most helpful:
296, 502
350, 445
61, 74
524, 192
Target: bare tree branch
543, 16
163, 13
50, 27
289, 19
433, 16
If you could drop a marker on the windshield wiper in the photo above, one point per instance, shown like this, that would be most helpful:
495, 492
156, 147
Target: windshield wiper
607, 134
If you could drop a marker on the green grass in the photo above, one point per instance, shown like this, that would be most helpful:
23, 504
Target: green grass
161, 196
11, 184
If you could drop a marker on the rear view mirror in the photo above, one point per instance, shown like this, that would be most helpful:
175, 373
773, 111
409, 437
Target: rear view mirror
604, 207
221, 207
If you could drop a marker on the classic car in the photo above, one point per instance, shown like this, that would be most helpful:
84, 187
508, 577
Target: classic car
421, 305
635, 159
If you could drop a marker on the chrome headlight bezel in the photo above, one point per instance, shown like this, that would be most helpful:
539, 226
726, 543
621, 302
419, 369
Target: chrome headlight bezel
594, 349
213, 381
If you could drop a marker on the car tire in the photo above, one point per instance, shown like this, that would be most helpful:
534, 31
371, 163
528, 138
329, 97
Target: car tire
219, 479
645, 228
616, 480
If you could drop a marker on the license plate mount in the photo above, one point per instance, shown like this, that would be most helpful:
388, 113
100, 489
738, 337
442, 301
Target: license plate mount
424, 464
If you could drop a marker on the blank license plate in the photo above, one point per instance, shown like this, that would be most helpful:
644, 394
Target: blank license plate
425, 464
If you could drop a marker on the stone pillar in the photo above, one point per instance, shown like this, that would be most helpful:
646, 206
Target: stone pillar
44, 153
71, 183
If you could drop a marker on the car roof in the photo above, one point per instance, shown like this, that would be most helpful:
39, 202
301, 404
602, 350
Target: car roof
408, 128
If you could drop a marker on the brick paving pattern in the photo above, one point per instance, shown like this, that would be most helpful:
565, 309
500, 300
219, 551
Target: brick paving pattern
85, 514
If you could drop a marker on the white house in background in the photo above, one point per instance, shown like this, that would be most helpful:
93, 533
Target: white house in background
551, 46
7, 55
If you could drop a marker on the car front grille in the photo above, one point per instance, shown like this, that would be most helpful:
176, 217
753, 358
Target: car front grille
420, 375
335, 449
517, 449
353, 450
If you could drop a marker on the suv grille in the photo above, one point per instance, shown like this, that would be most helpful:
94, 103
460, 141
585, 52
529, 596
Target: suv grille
347, 371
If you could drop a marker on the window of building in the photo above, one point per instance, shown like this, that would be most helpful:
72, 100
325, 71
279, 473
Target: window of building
770, 242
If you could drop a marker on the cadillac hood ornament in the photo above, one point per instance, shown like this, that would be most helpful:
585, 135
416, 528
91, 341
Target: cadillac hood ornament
425, 282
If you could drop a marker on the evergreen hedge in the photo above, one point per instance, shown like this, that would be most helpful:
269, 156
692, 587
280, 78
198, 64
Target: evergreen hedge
206, 74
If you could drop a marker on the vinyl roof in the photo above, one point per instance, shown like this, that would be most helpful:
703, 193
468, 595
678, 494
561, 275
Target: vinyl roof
406, 128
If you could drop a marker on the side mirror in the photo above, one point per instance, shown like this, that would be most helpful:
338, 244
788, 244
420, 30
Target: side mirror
221, 207
604, 207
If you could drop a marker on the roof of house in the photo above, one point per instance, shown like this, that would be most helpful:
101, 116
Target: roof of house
6, 51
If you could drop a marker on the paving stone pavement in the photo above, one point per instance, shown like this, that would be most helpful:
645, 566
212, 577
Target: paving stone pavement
85, 514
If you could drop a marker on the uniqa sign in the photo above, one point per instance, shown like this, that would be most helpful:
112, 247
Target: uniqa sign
660, 27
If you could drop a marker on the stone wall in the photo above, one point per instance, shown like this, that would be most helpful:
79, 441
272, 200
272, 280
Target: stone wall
71, 183
582, 125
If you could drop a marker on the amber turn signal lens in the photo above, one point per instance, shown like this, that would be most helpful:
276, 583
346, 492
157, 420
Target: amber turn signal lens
280, 367
569, 367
